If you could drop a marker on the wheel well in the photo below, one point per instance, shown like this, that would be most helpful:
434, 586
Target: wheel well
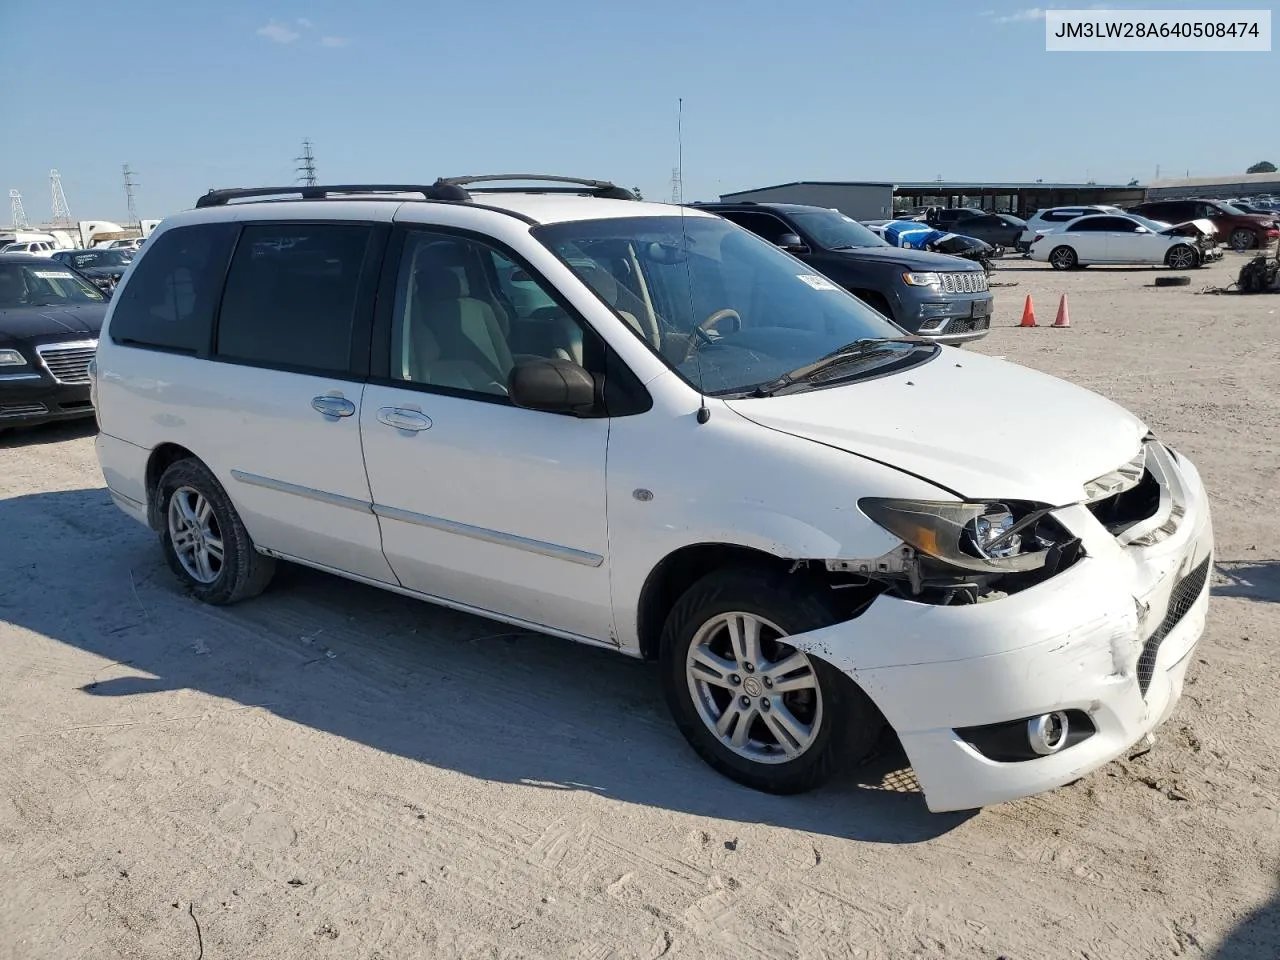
162, 458
678, 572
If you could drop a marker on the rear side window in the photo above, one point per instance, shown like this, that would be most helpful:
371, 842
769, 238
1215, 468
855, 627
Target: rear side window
291, 295
169, 300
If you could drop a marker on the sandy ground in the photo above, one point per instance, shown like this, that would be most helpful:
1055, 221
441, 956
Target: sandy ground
333, 771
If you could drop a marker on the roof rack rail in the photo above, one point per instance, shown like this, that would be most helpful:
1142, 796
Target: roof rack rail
597, 188
437, 191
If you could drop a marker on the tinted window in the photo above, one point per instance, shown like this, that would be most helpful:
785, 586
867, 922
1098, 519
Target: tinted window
291, 295
169, 299
761, 224
1092, 224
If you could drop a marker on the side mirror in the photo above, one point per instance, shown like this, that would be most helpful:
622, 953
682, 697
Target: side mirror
1141, 229
519, 275
792, 243
552, 385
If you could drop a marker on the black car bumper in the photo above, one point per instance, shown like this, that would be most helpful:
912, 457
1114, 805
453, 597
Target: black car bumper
32, 399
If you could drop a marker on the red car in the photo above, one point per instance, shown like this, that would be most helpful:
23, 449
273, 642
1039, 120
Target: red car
1239, 230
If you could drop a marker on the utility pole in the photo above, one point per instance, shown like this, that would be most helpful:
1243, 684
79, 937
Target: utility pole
129, 184
16, 213
61, 212
307, 164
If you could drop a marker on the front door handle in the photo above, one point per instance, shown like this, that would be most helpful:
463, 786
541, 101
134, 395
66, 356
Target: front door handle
403, 419
333, 406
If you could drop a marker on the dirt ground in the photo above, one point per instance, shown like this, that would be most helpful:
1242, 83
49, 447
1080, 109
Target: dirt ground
334, 771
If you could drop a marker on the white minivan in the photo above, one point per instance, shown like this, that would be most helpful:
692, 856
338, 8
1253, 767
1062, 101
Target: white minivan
640, 426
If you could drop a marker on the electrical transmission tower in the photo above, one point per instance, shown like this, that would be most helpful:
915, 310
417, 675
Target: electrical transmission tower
307, 165
129, 184
16, 213
61, 212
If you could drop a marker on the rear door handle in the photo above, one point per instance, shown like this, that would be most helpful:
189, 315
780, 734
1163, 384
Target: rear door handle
403, 419
333, 406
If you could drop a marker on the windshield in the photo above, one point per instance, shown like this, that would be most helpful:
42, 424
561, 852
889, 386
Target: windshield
100, 258
43, 285
1226, 207
726, 309
1013, 221
835, 231
1155, 225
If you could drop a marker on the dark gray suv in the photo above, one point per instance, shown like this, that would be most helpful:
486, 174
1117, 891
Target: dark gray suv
932, 294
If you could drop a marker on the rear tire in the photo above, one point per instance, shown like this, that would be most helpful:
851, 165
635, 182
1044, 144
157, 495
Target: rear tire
1063, 258
1241, 239
204, 541
795, 719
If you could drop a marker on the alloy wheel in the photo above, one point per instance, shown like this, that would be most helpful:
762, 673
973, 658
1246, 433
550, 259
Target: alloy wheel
195, 535
758, 695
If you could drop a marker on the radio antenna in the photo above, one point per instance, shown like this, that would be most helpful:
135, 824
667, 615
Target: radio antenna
704, 414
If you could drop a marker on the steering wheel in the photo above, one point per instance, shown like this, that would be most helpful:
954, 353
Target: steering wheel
708, 324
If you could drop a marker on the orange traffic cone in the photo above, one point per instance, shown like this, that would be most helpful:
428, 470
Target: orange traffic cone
1064, 318
1028, 314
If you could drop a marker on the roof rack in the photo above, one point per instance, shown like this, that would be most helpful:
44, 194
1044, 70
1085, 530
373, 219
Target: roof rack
445, 189
596, 188
436, 191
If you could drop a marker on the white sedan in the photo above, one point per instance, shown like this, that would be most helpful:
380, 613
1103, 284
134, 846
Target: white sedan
1110, 238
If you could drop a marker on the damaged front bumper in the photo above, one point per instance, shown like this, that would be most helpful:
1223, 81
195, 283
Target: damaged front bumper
1106, 641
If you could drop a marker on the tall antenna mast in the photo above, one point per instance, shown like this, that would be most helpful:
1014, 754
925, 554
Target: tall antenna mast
307, 164
16, 213
129, 184
677, 175
61, 212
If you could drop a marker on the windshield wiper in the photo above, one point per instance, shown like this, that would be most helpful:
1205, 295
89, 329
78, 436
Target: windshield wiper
857, 350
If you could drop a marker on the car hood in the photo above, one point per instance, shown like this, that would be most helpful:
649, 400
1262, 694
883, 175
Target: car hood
912, 259
106, 271
1192, 228
981, 427
44, 323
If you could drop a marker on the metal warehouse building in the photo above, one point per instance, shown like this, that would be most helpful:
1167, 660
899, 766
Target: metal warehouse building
873, 200
1242, 185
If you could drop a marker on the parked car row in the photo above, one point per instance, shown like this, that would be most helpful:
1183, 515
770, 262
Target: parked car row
678, 439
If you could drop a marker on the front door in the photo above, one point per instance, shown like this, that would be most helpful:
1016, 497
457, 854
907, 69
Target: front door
482, 503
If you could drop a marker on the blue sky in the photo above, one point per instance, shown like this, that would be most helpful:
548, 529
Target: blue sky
200, 94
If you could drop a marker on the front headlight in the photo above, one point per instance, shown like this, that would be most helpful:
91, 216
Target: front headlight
982, 537
12, 358
922, 279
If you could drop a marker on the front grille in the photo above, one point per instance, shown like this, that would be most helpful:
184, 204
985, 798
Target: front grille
968, 281
68, 362
1183, 598
968, 325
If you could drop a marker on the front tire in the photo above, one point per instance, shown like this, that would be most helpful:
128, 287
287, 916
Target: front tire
1063, 258
1181, 257
204, 541
754, 708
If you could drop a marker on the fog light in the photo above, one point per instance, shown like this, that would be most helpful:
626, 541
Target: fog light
1047, 733
930, 325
